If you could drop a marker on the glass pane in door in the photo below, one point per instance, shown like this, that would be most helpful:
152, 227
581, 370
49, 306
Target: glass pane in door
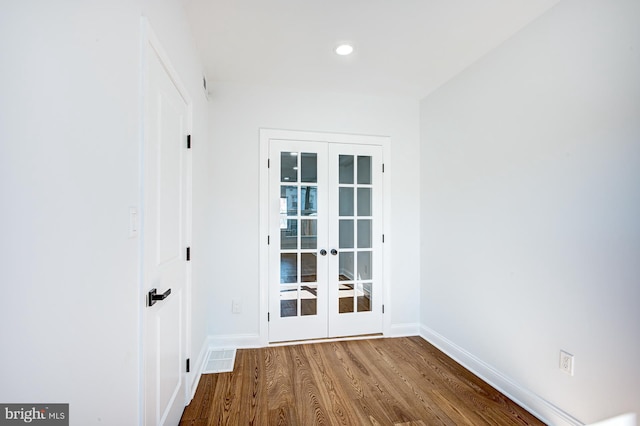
345, 296
309, 267
288, 301
345, 169
364, 169
363, 294
345, 202
364, 265
288, 167
346, 267
364, 233
309, 165
309, 200
309, 300
364, 201
345, 233
288, 268
288, 201
288, 234
309, 233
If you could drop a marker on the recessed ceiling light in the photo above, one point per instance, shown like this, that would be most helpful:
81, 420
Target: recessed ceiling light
344, 49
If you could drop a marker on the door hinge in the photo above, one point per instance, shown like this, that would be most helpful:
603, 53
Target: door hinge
268, 317
268, 239
383, 238
268, 163
188, 141
188, 365
188, 254
382, 167
383, 309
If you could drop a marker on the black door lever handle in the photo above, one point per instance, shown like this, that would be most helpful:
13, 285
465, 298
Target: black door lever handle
154, 296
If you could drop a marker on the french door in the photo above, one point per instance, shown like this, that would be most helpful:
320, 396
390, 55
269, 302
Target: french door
325, 232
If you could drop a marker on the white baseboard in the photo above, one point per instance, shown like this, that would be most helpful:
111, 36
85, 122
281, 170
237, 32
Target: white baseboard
235, 341
402, 330
197, 367
539, 407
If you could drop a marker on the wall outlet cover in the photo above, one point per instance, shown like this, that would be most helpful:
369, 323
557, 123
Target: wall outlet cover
566, 362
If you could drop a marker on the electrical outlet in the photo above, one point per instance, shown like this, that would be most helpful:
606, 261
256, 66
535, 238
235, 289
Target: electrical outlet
566, 362
236, 306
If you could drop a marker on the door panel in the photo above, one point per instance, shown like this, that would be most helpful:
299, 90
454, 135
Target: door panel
164, 242
168, 185
325, 274
355, 233
298, 229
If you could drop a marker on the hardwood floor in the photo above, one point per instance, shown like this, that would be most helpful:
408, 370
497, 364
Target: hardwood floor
399, 381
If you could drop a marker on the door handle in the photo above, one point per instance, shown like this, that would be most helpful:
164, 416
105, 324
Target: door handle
334, 252
154, 297
323, 252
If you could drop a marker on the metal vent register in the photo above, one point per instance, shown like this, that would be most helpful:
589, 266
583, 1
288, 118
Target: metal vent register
220, 361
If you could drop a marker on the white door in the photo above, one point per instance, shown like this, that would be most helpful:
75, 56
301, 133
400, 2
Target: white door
164, 231
325, 255
355, 239
299, 231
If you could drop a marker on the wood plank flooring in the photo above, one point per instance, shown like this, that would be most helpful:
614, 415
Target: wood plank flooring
398, 381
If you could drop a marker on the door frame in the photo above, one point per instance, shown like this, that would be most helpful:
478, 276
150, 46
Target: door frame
149, 41
266, 135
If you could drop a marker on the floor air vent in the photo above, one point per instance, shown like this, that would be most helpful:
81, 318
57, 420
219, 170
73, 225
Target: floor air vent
219, 361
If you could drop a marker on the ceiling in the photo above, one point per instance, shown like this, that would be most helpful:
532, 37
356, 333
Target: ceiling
402, 47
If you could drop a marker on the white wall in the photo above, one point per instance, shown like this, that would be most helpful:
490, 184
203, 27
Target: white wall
69, 141
530, 208
237, 114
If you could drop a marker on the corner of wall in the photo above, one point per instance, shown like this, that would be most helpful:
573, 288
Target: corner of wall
536, 405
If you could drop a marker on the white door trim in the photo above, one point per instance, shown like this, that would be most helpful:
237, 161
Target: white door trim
148, 40
296, 135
